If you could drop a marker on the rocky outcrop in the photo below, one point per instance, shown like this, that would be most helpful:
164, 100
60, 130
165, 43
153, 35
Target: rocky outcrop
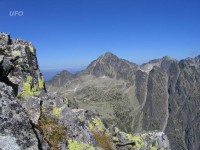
159, 95
20, 80
19, 69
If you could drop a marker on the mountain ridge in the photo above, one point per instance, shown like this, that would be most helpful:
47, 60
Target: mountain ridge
111, 55
146, 97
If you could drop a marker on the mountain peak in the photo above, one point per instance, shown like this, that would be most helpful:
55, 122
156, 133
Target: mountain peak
108, 54
108, 57
65, 72
110, 65
167, 58
60, 79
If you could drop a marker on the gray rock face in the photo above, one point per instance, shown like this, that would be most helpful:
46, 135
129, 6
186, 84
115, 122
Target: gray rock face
16, 132
162, 95
183, 123
8, 142
157, 97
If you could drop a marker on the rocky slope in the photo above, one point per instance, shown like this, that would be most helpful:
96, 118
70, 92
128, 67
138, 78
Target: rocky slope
162, 95
32, 119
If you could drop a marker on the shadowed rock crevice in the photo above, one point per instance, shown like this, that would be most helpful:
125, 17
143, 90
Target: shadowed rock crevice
4, 78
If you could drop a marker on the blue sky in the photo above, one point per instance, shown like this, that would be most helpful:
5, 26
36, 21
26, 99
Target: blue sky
72, 33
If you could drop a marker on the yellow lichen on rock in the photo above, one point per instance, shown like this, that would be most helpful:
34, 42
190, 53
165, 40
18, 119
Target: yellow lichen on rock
66, 100
137, 139
117, 130
29, 79
56, 111
75, 145
27, 89
40, 83
31, 49
91, 127
98, 123
153, 148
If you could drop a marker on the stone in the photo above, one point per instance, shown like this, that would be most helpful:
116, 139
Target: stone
8, 143
15, 126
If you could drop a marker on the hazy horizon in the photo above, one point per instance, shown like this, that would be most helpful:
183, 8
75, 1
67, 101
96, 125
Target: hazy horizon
50, 73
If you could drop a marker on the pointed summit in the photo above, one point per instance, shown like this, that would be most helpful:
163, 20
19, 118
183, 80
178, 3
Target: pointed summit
111, 66
108, 55
167, 58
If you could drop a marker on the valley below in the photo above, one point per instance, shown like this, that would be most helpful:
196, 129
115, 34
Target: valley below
159, 95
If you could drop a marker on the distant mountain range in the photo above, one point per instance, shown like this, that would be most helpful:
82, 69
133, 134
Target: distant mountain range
50, 73
163, 95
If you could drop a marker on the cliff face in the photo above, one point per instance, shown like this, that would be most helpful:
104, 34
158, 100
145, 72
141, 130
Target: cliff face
173, 99
184, 101
162, 95
31, 118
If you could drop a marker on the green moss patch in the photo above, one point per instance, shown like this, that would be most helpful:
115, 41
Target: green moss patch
104, 141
